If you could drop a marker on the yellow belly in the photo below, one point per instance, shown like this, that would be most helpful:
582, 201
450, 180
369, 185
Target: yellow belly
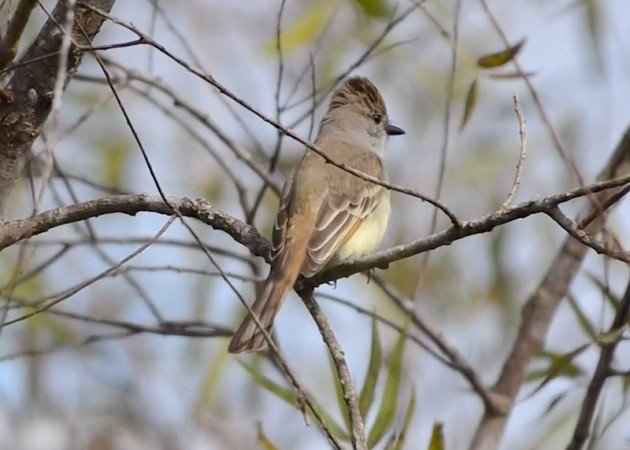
367, 237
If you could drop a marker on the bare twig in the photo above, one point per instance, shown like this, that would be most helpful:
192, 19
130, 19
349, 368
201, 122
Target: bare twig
534, 93
350, 396
450, 87
521, 156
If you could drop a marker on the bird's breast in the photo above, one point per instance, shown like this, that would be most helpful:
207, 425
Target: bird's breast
369, 234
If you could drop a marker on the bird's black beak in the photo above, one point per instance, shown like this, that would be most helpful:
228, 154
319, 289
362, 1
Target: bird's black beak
393, 130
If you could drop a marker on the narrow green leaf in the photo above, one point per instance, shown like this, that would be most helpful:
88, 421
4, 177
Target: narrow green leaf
554, 402
585, 323
437, 437
610, 337
291, 398
366, 397
471, 102
279, 391
262, 439
411, 408
389, 400
561, 365
373, 8
511, 75
500, 58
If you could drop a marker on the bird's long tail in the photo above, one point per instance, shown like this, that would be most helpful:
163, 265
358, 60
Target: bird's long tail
249, 337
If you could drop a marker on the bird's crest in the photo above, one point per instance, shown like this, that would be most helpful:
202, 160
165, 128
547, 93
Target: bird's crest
358, 90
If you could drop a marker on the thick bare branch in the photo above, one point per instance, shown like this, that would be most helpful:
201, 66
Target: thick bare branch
247, 235
33, 85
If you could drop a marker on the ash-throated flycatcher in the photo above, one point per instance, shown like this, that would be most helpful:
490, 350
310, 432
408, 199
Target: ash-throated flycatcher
327, 214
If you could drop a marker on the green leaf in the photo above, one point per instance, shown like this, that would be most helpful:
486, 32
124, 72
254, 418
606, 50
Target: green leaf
389, 400
585, 323
500, 58
366, 398
291, 398
411, 408
612, 336
279, 391
437, 437
115, 157
471, 102
304, 30
211, 381
373, 8
262, 439
561, 365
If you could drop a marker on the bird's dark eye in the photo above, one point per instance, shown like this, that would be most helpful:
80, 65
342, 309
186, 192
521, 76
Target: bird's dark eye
377, 118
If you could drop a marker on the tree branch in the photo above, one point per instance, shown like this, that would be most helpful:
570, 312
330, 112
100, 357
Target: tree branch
247, 235
540, 308
9, 44
33, 85
345, 380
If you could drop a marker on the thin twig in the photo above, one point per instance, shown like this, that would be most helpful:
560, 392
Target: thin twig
522, 154
450, 88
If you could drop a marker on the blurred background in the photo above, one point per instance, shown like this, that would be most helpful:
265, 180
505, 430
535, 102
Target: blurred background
68, 383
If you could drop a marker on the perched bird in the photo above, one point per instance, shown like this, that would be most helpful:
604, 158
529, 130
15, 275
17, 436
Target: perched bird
326, 213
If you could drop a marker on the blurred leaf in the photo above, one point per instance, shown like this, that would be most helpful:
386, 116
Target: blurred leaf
303, 31
554, 402
437, 437
373, 8
115, 156
262, 439
211, 380
500, 58
291, 398
610, 337
560, 365
279, 391
471, 102
59, 329
585, 324
411, 407
511, 75
366, 398
389, 400
594, 25
613, 300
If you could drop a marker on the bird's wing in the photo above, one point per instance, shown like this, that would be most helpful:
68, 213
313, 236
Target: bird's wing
348, 201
